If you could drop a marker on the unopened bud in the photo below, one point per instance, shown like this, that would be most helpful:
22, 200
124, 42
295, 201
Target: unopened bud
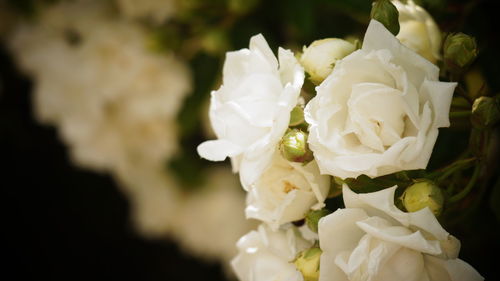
313, 217
386, 13
485, 112
421, 194
418, 30
308, 263
294, 147
296, 116
320, 57
460, 50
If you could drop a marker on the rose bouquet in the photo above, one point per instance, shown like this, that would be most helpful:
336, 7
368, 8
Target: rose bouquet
350, 127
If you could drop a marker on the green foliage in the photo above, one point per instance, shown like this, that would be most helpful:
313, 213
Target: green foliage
313, 217
365, 184
386, 13
187, 166
206, 69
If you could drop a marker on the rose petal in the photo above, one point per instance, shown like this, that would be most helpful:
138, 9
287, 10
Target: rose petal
381, 203
259, 44
218, 150
377, 37
450, 270
383, 230
267, 255
406, 265
440, 95
337, 233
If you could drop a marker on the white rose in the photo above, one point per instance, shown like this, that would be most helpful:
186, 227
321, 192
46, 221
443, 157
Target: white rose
286, 192
371, 239
319, 58
266, 255
418, 31
379, 110
251, 110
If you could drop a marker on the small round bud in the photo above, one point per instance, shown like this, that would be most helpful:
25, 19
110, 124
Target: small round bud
308, 263
320, 57
386, 13
313, 217
294, 147
460, 50
296, 116
421, 194
485, 112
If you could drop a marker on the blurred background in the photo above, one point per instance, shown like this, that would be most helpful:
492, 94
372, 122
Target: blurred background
102, 105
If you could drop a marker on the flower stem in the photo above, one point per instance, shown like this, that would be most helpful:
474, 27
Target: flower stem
445, 172
460, 114
461, 91
468, 188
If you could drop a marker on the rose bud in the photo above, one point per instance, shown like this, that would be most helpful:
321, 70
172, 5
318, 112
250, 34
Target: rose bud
294, 147
320, 57
460, 50
418, 30
308, 263
421, 194
485, 112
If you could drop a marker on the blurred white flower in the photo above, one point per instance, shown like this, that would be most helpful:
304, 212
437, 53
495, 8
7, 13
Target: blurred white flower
160, 209
286, 191
266, 255
158, 11
210, 221
379, 110
371, 239
418, 31
320, 57
154, 197
251, 110
113, 100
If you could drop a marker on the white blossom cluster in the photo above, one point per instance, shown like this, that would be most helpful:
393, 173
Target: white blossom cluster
114, 100
114, 103
206, 223
158, 11
376, 111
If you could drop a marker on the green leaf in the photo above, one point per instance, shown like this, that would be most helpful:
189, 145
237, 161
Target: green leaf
386, 13
365, 184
